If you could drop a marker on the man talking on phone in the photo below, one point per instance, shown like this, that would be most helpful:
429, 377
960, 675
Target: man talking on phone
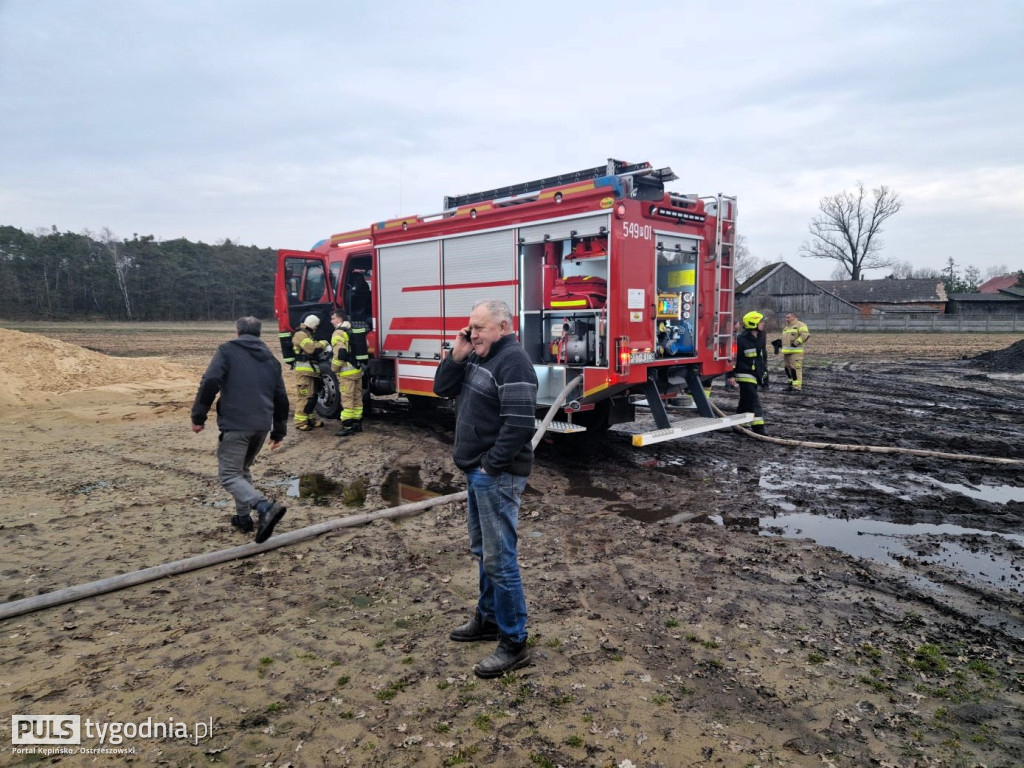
496, 386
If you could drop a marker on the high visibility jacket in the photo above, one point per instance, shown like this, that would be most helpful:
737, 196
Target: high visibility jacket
794, 336
750, 365
305, 348
343, 363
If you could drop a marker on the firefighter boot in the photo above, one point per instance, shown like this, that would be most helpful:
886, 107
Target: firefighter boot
270, 513
347, 428
508, 656
314, 422
478, 628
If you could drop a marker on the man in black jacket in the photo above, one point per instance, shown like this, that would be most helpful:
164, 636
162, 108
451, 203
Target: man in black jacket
253, 402
496, 387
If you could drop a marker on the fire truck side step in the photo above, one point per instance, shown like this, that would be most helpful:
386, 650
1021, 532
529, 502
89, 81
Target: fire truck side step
687, 427
562, 427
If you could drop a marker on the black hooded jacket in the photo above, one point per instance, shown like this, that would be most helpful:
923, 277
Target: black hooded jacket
252, 393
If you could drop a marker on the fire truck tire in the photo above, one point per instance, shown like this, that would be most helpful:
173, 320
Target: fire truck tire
328, 401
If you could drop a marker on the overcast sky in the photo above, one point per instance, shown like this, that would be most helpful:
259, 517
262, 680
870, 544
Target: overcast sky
279, 123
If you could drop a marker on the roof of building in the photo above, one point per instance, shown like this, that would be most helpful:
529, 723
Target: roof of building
888, 291
762, 274
997, 284
986, 297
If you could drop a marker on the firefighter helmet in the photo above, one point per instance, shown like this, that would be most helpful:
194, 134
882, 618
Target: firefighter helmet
345, 325
751, 319
311, 322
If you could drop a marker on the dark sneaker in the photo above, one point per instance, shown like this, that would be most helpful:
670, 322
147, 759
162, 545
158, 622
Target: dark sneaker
507, 657
270, 514
476, 630
242, 523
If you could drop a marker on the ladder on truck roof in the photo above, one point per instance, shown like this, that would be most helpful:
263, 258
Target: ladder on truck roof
725, 275
612, 168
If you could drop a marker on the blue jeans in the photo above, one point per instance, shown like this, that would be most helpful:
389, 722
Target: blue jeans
493, 539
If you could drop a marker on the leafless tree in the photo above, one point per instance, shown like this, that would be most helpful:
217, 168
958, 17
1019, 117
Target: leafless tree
122, 263
997, 271
904, 270
745, 265
848, 226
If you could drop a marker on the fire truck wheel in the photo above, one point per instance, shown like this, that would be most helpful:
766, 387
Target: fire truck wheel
328, 401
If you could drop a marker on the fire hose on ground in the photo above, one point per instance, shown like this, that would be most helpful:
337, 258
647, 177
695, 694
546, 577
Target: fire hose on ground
870, 448
114, 583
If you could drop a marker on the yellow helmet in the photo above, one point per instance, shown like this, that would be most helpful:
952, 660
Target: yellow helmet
751, 319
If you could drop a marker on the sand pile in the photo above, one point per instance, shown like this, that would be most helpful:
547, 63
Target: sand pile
31, 364
1009, 360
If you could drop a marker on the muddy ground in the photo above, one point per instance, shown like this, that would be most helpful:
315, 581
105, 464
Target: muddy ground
683, 611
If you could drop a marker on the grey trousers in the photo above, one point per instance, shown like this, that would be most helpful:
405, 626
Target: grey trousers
236, 451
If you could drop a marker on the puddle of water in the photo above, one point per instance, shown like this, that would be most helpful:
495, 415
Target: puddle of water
996, 494
581, 484
404, 486
889, 542
883, 541
778, 477
320, 489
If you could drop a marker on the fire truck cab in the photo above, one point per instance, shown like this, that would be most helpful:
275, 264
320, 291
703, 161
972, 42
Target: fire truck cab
608, 276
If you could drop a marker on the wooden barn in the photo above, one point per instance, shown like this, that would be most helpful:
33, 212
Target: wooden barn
890, 295
778, 289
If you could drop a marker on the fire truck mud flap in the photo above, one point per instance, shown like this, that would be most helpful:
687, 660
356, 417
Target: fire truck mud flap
691, 426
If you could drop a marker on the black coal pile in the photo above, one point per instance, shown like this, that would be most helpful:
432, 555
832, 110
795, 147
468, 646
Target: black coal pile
1009, 360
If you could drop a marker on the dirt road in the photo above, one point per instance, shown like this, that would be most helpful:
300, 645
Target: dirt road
683, 611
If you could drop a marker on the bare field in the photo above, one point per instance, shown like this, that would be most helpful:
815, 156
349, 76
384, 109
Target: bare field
687, 604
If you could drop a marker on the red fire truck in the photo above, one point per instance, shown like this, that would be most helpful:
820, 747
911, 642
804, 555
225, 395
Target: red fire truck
608, 275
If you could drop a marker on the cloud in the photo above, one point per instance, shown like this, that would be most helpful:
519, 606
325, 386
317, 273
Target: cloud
280, 124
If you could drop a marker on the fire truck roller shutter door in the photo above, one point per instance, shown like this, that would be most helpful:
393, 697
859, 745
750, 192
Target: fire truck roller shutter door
584, 226
410, 318
485, 264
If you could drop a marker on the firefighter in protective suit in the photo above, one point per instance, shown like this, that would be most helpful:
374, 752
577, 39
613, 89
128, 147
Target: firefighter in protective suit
749, 370
794, 336
307, 373
350, 377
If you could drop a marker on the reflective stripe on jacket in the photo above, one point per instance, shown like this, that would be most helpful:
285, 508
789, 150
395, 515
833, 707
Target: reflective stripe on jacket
305, 348
794, 336
342, 366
